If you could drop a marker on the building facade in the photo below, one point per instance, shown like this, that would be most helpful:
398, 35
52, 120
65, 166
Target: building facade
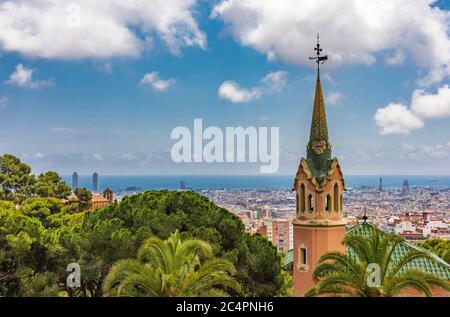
101, 201
280, 232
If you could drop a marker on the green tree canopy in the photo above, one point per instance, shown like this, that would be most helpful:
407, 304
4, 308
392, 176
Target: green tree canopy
84, 198
438, 246
117, 231
41, 235
22, 249
41, 208
50, 184
15, 178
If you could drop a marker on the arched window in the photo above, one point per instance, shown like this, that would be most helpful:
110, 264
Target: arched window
328, 203
340, 201
336, 197
302, 198
310, 203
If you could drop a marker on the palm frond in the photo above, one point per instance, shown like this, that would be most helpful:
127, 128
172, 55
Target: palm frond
342, 262
342, 280
172, 268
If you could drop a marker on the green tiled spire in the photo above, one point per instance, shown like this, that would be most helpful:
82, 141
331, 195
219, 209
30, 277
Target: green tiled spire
319, 129
319, 148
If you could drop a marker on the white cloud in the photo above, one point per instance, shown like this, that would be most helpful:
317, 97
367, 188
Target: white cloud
395, 58
432, 106
23, 77
39, 155
327, 77
275, 80
396, 118
408, 147
67, 29
352, 31
156, 83
335, 98
435, 151
362, 155
272, 82
97, 157
231, 91
70, 131
128, 157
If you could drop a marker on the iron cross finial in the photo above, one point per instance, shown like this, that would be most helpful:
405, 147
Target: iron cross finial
318, 57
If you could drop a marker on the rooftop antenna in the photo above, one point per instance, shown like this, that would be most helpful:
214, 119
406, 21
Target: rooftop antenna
318, 58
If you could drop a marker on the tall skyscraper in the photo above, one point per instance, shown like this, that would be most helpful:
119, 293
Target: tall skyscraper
74, 181
95, 182
405, 187
319, 226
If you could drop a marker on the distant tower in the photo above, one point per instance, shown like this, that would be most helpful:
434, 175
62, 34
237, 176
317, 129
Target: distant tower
182, 185
405, 187
74, 181
319, 226
95, 182
380, 187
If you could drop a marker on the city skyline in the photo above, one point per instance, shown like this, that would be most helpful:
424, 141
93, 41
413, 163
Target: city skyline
393, 92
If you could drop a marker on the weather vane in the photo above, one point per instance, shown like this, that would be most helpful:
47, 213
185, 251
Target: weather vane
319, 58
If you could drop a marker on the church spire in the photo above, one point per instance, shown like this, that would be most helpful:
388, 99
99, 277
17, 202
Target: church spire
319, 148
319, 226
319, 129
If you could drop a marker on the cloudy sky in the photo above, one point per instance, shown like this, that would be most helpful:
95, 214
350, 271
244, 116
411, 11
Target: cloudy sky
99, 85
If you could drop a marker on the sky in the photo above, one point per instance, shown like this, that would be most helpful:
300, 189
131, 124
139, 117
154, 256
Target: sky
99, 85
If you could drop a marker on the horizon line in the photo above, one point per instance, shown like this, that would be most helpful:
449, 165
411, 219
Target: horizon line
262, 175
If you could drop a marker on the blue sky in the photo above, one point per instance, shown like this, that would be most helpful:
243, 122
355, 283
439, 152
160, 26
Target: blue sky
74, 99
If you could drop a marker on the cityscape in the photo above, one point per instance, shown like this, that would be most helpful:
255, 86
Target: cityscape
415, 213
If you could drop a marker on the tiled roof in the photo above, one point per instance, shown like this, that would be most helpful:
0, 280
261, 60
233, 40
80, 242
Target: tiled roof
98, 198
436, 266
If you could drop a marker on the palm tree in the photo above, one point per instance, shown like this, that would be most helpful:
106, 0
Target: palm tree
346, 275
172, 268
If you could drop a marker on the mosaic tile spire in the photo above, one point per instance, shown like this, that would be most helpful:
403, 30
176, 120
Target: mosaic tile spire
319, 147
319, 129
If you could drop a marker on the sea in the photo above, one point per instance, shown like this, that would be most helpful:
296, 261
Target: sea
199, 182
